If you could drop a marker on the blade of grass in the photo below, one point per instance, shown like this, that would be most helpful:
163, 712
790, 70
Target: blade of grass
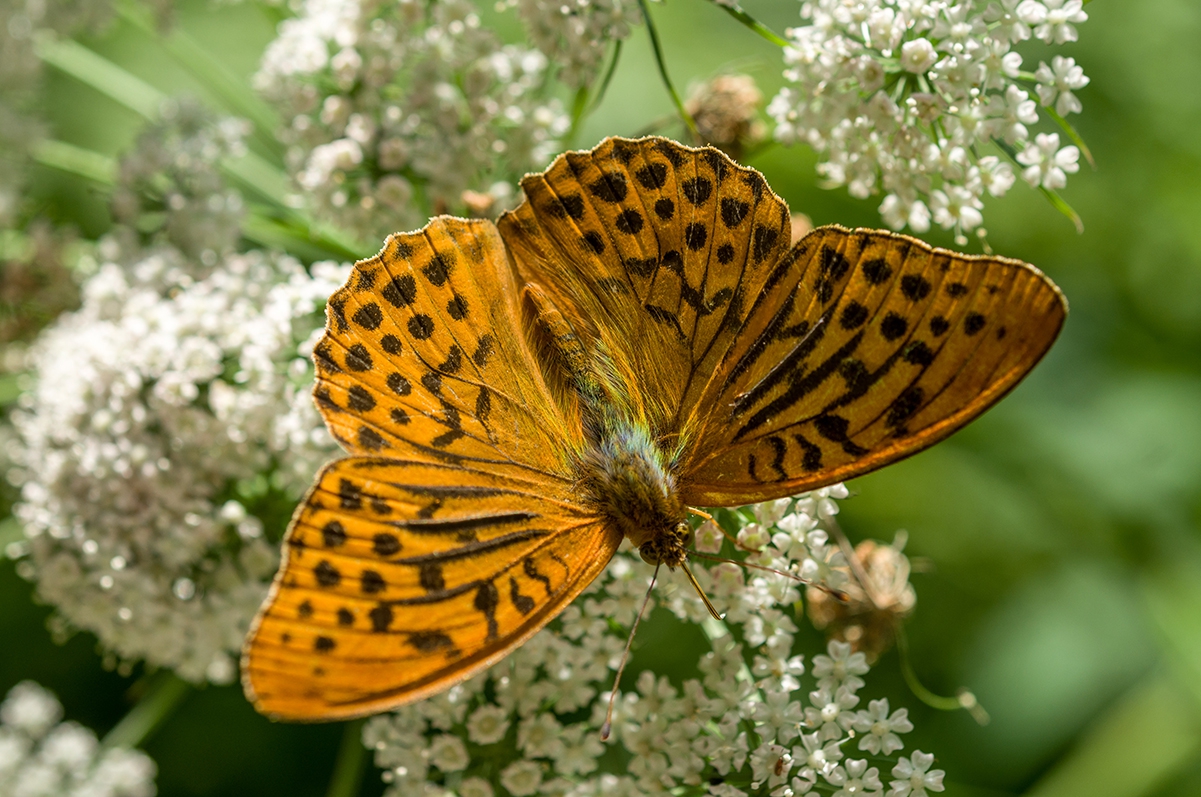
76, 160
94, 70
755, 25
232, 91
671, 89
604, 86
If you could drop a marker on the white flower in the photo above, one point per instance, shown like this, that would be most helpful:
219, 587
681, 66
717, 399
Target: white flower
448, 753
709, 538
1046, 164
521, 778
40, 758
475, 787
540, 736
918, 55
488, 725
922, 142
841, 667
831, 715
770, 765
912, 777
1054, 23
856, 779
879, 729
1057, 82
575, 36
173, 383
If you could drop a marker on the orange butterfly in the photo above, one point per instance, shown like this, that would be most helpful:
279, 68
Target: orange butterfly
638, 337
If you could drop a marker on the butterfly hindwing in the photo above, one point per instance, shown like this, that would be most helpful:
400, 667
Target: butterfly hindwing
401, 578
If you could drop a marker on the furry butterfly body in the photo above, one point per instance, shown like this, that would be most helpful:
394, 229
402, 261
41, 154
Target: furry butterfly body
640, 336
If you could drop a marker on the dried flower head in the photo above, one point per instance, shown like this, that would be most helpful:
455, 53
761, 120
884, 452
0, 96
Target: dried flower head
726, 112
878, 597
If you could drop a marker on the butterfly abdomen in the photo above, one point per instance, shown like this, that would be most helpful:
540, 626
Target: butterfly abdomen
631, 483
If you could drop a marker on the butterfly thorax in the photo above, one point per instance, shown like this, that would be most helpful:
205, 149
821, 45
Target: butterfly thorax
631, 483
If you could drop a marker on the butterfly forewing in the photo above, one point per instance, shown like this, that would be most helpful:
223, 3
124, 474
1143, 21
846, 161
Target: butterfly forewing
424, 357
870, 346
650, 246
401, 578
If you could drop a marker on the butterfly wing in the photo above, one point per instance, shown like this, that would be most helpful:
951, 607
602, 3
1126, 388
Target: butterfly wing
867, 347
649, 246
403, 578
454, 533
766, 370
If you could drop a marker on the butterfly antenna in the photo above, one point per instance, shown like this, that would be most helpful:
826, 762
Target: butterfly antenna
837, 594
696, 585
692, 510
607, 728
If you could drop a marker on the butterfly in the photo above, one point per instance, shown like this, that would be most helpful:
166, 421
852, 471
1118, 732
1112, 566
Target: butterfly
639, 337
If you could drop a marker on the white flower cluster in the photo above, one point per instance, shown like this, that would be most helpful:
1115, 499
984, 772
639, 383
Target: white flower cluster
530, 725
574, 35
43, 757
904, 97
170, 416
395, 109
170, 185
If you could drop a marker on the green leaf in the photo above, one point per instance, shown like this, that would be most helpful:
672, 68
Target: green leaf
79, 62
1060, 204
76, 160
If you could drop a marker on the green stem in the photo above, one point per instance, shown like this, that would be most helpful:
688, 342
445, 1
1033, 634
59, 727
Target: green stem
671, 89
578, 108
965, 699
164, 694
1057, 202
349, 765
608, 78
758, 27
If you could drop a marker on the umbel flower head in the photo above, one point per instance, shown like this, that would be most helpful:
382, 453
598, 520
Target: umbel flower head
40, 756
154, 443
928, 102
394, 109
574, 35
757, 721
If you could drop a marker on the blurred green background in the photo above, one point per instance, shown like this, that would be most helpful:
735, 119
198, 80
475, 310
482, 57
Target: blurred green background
1062, 531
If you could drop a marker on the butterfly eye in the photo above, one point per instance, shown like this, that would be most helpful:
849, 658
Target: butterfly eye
648, 556
689, 535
